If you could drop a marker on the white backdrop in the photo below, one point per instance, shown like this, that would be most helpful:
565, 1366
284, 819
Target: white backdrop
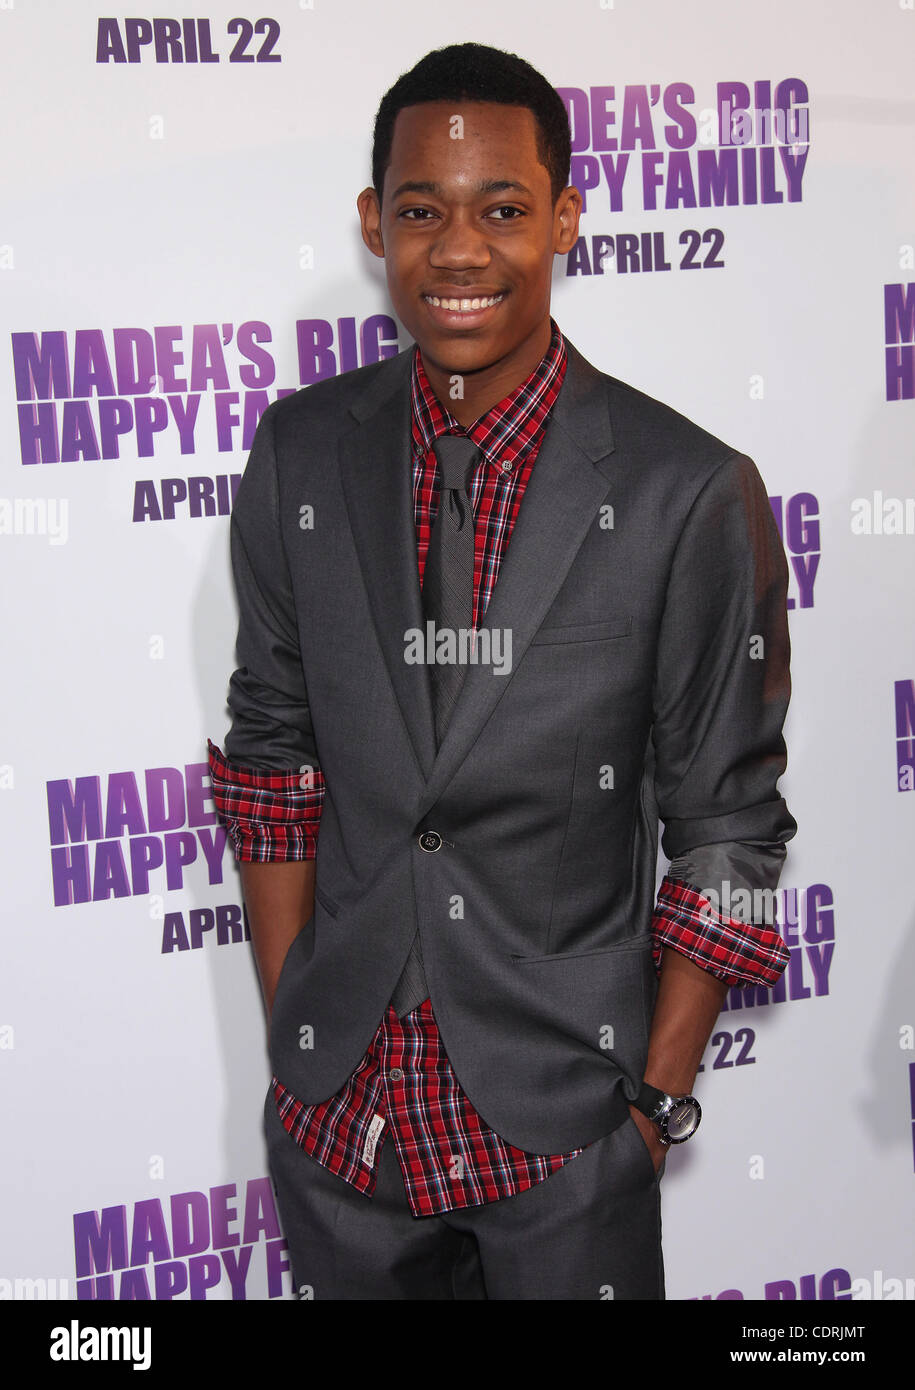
204, 212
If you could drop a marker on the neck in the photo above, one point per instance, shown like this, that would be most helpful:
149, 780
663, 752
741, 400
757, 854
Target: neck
484, 388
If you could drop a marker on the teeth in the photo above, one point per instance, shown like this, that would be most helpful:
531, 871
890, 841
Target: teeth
463, 306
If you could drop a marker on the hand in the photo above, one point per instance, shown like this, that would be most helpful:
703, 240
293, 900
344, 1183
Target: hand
650, 1133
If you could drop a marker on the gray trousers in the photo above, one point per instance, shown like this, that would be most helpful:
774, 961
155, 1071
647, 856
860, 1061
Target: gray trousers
592, 1230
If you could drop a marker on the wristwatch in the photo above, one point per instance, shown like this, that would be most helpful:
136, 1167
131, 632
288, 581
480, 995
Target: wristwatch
677, 1117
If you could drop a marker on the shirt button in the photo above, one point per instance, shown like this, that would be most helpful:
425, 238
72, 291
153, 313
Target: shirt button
506, 466
396, 1074
430, 841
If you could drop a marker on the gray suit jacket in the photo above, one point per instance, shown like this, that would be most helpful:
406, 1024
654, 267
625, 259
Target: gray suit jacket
643, 564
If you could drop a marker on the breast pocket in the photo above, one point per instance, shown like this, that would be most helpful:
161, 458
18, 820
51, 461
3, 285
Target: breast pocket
583, 632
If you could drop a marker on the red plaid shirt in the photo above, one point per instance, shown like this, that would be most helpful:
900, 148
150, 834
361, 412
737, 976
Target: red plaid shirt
405, 1083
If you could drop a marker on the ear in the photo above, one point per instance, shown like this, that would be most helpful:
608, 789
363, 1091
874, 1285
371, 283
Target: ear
370, 217
565, 219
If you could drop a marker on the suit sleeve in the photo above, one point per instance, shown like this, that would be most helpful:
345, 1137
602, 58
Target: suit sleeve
268, 787
721, 693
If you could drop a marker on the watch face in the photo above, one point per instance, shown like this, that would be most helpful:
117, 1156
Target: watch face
683, 1120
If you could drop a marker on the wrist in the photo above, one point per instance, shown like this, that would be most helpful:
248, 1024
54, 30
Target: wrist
675, 1115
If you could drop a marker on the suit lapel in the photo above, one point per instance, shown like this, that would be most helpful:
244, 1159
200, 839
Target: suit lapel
563, 495
375, 466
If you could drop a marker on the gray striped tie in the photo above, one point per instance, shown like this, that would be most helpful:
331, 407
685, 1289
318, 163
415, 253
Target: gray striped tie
448, 602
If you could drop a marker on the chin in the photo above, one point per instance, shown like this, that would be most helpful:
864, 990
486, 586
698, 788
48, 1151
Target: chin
463, 353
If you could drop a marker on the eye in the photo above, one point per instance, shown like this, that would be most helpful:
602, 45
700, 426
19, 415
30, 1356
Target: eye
513, 213
416, 214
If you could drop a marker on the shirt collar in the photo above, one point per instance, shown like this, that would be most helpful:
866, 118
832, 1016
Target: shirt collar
513, 423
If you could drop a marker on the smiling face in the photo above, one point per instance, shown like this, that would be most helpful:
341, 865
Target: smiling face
468, 231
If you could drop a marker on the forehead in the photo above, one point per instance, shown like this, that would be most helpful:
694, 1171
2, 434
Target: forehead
459, 141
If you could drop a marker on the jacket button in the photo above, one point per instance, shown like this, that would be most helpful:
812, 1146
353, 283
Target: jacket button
430, 841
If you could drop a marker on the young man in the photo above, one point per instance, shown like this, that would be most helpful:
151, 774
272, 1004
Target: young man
477, 1071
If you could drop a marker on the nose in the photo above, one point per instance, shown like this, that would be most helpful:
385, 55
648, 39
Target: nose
460, 245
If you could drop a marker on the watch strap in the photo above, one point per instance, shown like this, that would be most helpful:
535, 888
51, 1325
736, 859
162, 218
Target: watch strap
649, 1099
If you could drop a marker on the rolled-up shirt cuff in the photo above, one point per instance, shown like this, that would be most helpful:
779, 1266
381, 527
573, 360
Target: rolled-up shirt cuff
738, 953
270, 815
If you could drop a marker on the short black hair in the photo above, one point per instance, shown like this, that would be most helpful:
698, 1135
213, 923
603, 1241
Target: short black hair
473, 72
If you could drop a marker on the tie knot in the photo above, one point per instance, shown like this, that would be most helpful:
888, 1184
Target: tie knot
457, 455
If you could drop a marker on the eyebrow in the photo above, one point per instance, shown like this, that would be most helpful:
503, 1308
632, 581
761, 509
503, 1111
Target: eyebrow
486, 187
